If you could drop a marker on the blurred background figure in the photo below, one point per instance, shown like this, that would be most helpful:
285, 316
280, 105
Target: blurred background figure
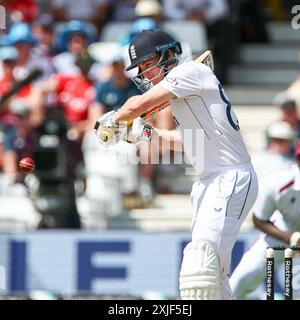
19, 115
43, 29
75, 95
21, 10
20, 36
71, 40
252, 17
276, 215
290, 115
70, 118
112, 93
215, 15
279, 137
150, 9
292, 92
138, 25
93, 11
122, 10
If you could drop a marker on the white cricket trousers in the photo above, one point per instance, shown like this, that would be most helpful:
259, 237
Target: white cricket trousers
220, 204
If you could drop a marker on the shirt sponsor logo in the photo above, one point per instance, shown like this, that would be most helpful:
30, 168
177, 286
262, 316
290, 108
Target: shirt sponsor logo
172, 81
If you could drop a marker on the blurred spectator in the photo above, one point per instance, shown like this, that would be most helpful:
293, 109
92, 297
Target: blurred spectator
64, 32
293, 92
21, 10
214, 14
19, 138
94, 11
122, 10
252, 22
289, 112
276, 215
117, 89
43, 31
52, 185
278, 153
149, 9
138, 25
290, 115
75, 94
9, 57
77, 37
199, 10
20, 36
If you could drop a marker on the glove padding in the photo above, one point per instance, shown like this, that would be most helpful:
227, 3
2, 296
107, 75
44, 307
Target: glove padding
108, 131
138, 131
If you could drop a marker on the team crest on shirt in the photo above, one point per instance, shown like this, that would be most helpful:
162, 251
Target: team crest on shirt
133, 52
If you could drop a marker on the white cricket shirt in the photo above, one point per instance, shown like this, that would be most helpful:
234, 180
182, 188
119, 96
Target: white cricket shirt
281, 192
202, 105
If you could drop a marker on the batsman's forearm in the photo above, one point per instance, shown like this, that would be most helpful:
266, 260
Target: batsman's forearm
269, 228
132, 109
137, 105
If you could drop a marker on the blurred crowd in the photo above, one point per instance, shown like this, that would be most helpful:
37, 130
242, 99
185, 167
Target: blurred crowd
49, 118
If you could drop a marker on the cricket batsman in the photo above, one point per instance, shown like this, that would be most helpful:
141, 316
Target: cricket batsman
226, 186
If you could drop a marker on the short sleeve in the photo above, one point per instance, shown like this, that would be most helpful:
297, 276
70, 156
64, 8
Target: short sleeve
185, 79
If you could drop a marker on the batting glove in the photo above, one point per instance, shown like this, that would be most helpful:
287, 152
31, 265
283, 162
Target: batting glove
108, 131
138, 131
